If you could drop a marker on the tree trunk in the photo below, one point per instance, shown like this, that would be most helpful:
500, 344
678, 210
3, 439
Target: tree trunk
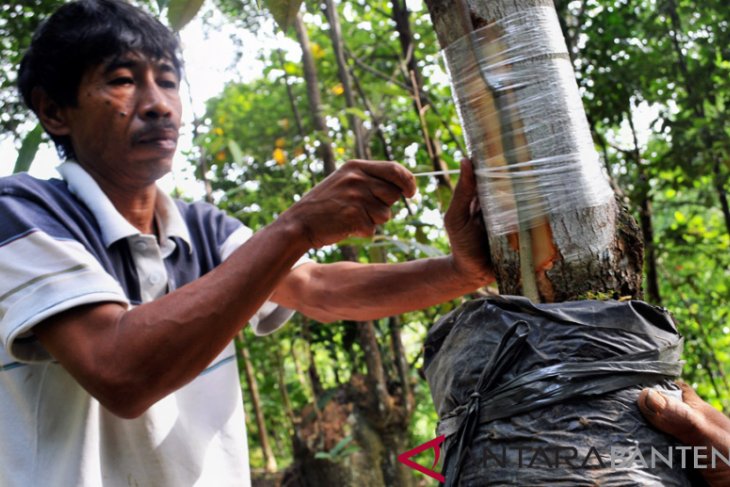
401, 364
590, 251
313, 96
361, 150
253, 387
368, 401
282, 384
401, 17
645, 218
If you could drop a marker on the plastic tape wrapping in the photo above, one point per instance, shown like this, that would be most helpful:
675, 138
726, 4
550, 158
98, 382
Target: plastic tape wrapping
524, 122
507, 373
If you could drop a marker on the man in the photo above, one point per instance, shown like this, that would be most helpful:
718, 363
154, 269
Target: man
118, 305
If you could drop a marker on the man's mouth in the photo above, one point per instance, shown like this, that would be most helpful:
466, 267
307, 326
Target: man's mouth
165, 139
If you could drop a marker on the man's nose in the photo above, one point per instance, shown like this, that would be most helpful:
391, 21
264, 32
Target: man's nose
154, 104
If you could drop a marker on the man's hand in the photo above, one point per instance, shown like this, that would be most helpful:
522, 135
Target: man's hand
467, 234
693, 422
351, 201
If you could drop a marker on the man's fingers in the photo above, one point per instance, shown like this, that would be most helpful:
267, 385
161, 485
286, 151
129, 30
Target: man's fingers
378, 213
670, 415
689, 395
391, 172
385, 192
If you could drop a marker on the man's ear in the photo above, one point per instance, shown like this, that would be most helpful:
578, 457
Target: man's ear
52, 116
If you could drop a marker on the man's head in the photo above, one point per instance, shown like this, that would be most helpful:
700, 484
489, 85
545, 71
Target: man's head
82, 35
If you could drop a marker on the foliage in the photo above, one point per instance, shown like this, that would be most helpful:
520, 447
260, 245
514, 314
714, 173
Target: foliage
627, 64
28, 149
655, 78
338, 451
180, 12
668, 58
18, 21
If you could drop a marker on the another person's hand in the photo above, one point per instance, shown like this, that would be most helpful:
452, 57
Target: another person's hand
352, 201
693, 422
466, 230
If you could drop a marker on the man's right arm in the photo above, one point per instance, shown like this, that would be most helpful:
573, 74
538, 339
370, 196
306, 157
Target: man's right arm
130, 359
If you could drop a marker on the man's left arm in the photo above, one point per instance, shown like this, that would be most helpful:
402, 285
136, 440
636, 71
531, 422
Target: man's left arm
352, 291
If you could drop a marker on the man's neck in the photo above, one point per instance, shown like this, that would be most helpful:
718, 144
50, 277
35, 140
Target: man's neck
136, 203
138, 207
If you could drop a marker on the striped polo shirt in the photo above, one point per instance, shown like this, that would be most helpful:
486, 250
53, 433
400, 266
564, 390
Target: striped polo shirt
63, 244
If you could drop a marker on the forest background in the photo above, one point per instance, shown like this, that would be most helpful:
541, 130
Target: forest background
655, 80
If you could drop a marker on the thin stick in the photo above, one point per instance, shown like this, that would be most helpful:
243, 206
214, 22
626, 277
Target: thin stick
436, 173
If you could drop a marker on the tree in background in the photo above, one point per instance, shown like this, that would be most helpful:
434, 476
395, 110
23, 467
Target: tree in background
667, 59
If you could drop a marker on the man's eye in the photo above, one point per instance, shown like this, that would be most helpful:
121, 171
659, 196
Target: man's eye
166, 83
122, 80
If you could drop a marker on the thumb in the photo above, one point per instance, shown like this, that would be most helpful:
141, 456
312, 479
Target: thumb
464, 192
671, 415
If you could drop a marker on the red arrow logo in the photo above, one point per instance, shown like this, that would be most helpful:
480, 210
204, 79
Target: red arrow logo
404, 458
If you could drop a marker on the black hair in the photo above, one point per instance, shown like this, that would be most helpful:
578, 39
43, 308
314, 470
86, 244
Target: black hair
82, 34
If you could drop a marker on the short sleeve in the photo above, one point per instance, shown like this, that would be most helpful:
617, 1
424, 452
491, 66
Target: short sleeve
44, 269
271, 316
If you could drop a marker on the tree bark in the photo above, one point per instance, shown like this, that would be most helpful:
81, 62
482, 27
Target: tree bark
645, 219
401, 17
378, 403
401, 364
313, 96
361, 150
282, 384
605, 237
253, 387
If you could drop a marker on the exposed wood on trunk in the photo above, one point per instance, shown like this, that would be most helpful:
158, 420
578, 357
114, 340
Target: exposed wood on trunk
253, 388
606, 237
313, 96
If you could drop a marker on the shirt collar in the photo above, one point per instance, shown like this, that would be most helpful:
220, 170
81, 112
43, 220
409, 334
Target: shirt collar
112, 224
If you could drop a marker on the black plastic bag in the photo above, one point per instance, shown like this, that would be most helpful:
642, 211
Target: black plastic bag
546, 394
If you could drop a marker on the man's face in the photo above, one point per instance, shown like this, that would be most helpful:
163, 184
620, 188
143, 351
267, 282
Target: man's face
125, 125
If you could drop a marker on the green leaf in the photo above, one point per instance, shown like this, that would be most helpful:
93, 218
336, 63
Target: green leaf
161, 4
236, 151
357, 112
28, 149
180, 12
340, 445
321, 455
284, 11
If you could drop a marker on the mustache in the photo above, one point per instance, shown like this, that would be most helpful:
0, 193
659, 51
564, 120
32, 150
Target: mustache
156, 129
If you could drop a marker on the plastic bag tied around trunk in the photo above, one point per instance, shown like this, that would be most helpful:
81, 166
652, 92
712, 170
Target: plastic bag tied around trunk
524, 122
511, 380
